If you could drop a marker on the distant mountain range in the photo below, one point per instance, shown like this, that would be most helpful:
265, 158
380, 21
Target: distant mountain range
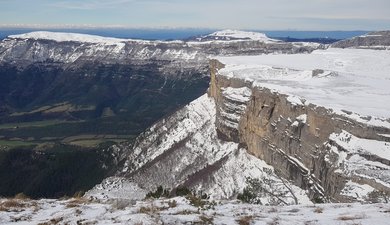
121, 105
84, 90
279, 128
176, 34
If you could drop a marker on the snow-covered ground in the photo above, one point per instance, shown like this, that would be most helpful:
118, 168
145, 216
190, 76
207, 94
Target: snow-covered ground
237, 34
225, 35
361, 158
60, 37
85, 38
352, 82
180, 210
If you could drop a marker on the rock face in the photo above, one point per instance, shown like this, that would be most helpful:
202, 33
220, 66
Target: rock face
327, 153
44, 68
245, 127
107, 87
375, 40
184, 150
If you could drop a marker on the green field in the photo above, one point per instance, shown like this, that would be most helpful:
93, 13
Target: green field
43, 123
78, 133
13, 144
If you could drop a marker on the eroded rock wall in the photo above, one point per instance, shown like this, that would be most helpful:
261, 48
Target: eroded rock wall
296, 139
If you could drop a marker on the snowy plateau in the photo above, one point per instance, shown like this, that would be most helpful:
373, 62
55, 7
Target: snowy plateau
309, 127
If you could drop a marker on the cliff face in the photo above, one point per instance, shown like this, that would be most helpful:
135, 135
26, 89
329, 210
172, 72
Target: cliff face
248, 125
184, 150
45, 68
330, 155
374, 40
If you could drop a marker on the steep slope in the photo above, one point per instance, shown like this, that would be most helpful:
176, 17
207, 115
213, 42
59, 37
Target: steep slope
289, 119
92, 74
322, 119
183, 150
87, 92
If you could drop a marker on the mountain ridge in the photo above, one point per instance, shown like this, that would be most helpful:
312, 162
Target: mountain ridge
328, 154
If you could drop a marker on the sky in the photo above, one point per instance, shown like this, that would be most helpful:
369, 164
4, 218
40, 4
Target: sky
219, 14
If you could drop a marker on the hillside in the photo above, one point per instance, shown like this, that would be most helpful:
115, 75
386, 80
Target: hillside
296, 121
66, 96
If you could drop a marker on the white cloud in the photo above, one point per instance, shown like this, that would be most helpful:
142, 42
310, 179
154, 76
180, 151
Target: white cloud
242, 14
90, 4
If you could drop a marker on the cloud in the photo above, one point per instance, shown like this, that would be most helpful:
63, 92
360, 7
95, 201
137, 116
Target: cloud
90, 4
240, 14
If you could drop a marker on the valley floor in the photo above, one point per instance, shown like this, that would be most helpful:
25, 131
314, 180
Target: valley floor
181, 210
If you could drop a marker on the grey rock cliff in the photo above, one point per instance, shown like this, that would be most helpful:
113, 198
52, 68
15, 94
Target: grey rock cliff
374, 40
297, 140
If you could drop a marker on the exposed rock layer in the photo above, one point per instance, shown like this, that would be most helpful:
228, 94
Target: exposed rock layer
295, 139
375, 40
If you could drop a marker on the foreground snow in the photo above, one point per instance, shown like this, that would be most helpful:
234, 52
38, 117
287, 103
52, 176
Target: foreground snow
352, 82
179, 210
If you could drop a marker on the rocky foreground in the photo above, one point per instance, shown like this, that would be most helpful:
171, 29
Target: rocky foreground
181, 210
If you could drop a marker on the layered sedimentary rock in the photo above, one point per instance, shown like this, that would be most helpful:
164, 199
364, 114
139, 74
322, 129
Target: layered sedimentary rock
183, 150
328, 150
374, 40
318, 123
40, 69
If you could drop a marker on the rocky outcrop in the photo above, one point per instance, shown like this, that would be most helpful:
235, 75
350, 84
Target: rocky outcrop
183, 150
309, 145
244, 129
379, 40
250, 123
106, 72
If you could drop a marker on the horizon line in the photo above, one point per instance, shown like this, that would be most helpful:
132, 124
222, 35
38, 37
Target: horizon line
115, 26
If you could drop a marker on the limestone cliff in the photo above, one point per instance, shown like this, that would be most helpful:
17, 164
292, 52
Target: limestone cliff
329, 154
251, 125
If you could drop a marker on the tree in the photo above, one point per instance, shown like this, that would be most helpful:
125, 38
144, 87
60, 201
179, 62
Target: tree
275, 189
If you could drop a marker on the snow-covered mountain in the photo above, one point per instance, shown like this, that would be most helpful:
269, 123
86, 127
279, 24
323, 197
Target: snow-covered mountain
236, 35
84, 55
69, 47
315, 125
324, 114
107, 87
184, 150
294, 120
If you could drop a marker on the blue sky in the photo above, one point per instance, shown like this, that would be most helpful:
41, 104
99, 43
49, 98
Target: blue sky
237, 14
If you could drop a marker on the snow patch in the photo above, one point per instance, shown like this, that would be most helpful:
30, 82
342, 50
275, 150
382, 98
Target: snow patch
295, 100
302, 118
62, 37
237, 34
357, 145
237, 94
357, 191
363, 158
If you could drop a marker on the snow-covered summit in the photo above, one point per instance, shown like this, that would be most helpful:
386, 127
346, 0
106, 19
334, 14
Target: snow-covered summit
228, 35
240, 34
345, 80
62, 37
